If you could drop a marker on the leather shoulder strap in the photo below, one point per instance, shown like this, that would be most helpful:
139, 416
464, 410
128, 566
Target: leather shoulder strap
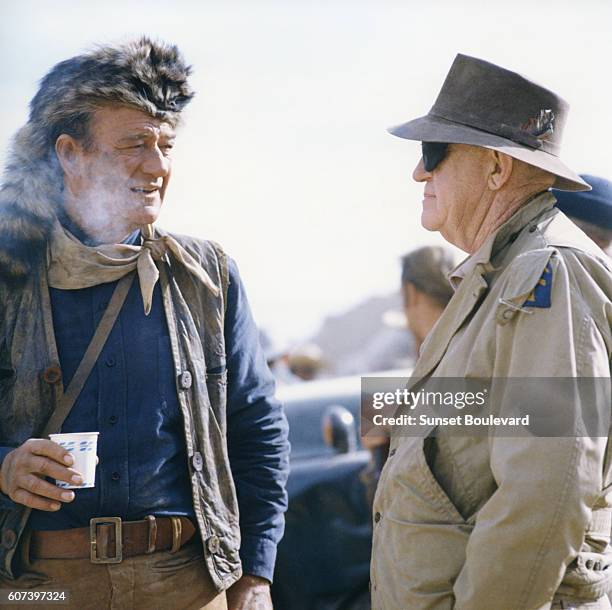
68, 398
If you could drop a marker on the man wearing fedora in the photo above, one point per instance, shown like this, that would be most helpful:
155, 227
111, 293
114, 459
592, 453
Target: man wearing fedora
492, 522
110, 324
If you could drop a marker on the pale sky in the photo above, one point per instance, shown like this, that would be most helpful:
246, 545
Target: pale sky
284, 158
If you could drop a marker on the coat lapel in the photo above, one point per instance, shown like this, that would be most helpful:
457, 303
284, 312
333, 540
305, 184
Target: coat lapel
460, 307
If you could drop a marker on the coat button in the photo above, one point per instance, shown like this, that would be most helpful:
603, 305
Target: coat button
9, 538
197, 461
589, 564
508, 314
212, 544
377, 517
185, 380
52, 374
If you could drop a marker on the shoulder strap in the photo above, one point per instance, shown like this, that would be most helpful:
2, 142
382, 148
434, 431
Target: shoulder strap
68, 398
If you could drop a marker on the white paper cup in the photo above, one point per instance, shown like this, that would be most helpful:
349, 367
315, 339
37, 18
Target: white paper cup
83, 448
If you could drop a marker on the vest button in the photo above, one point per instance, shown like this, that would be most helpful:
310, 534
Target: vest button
185, 380
377, 517
197, 461
9, 538
52, 374
212, 544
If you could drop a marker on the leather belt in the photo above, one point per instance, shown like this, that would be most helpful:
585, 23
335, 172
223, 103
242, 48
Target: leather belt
109, 539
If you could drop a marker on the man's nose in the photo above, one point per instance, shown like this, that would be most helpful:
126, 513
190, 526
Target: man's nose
420, 174
156, 163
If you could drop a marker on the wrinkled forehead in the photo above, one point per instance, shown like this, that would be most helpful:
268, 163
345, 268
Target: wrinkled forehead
114, 121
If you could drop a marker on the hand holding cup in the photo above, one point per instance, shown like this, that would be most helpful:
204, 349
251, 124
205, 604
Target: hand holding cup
23, 472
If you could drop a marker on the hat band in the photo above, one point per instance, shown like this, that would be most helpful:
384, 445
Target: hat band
517, 135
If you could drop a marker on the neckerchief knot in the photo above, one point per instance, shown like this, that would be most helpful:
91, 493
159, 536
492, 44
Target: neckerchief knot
73, 265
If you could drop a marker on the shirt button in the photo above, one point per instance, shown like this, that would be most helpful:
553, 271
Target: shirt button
113, 419
52, 374
185, 380
110, 361
115, 476
377, 517
197, 461
212, 544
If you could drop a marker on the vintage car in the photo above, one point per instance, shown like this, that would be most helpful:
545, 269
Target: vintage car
323, 559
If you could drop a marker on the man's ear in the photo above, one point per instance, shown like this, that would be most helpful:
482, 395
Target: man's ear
68, 152
501, 170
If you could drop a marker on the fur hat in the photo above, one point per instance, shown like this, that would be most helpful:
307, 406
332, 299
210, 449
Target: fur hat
148, 75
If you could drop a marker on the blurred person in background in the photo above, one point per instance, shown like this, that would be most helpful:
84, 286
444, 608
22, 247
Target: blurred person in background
426, 289
306, 362
590, 210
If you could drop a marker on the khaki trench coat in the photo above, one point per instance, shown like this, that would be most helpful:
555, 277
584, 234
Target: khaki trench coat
492, 523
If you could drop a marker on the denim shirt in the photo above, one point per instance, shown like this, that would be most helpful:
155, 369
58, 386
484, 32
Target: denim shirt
130, 398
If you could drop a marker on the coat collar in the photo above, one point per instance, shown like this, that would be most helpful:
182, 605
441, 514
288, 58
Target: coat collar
502, 236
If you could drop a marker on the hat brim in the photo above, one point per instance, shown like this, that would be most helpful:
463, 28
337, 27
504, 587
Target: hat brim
436, 129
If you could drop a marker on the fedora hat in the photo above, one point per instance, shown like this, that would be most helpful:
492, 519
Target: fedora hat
485, 105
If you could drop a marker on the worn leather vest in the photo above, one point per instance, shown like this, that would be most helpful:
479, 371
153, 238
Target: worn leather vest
30, 383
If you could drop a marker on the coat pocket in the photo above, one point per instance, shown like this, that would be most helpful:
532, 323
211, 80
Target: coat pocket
418, 497
420, 536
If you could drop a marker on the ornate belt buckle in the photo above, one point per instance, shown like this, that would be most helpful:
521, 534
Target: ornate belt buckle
93, 539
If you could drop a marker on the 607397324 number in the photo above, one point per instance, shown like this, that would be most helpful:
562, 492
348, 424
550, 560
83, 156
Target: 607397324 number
10, 597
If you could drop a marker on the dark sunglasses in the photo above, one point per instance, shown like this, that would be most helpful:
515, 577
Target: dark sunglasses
433, 153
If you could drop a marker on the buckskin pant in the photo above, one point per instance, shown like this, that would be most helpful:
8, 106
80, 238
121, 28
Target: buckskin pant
159, 581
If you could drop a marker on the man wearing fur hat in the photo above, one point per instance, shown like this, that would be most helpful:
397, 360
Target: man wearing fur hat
110, 324
493, 521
